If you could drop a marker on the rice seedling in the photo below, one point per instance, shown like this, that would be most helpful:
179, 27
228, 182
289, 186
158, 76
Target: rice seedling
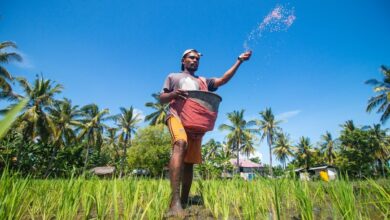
305, 202
80, 198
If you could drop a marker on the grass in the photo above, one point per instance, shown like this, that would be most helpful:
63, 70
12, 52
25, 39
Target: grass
79, 198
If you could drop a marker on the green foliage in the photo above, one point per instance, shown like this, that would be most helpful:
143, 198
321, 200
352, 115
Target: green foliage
150, 149
216, 160
9, 118
241, 133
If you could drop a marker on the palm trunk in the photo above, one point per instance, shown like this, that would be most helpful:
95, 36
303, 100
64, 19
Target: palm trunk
382, 168
86, 158
238, 156
50, 166
124, 155
269, 140
89, 143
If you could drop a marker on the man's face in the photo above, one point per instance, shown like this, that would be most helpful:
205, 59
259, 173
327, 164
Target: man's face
191, 61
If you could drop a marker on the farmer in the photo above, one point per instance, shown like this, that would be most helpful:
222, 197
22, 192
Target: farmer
186, 150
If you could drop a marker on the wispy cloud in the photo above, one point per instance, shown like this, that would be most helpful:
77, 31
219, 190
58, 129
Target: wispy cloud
287, 115
140, 113
26, 63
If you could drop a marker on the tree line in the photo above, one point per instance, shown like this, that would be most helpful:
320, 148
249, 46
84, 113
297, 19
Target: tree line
55, 138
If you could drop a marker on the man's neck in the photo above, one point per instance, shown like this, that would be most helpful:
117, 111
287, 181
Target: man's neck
189, 72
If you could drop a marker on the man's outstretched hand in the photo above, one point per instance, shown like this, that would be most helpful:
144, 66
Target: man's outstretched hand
245, 56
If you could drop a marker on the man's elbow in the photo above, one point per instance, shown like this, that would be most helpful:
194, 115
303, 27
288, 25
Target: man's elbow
163, 98
219, 82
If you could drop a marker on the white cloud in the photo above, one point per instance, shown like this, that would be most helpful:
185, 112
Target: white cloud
286, 115
257, 154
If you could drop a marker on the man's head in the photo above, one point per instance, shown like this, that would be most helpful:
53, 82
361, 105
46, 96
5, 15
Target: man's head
190, 60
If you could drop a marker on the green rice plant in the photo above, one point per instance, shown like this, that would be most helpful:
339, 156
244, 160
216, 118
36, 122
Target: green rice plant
102, 199
255, 202
130, 196
79, 198
44, 199
69, 194
343, 199
380, 198
115, 198
210, 196
14, 196
158, 198
304, 200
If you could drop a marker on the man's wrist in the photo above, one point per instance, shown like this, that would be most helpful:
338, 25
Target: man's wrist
239, 58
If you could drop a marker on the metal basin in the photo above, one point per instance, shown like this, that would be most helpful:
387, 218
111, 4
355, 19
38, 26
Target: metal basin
209, 100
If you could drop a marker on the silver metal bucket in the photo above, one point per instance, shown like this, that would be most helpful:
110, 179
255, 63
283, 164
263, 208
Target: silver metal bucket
207, 99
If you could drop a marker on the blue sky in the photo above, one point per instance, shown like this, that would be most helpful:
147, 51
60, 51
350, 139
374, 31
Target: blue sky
117, 53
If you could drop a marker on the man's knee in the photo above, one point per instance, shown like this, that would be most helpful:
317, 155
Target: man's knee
180, 145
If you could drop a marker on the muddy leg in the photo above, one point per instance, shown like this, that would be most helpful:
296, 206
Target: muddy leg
186, 182
175, 168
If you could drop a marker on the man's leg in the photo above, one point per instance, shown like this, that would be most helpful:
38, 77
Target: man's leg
175, 171
186, 182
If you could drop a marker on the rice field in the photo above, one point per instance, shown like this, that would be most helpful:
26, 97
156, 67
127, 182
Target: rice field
79, 198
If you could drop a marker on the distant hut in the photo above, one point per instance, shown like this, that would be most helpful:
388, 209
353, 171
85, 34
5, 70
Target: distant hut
248, 169
326, 173
106, 171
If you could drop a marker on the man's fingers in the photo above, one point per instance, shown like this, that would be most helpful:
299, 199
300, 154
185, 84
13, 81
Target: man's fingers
182, 92
182, 97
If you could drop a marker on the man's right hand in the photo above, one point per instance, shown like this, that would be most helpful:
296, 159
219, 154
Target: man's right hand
179, 94
166, 97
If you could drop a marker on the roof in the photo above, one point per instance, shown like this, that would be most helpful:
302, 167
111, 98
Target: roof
103, 170
315, 168
321, 167
245, 163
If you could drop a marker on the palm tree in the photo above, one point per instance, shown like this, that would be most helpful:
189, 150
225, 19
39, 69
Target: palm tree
328, 146
283, 148
381, 145
159, 116
382, 100
65, 117
304, 151
35, 122
223, 157
248, 146
5, 76
92, 128
126, 121
210, 149
240, 132
111, 143
268, 126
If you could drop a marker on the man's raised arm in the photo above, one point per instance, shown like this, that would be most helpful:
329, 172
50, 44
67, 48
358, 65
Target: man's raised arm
230, 72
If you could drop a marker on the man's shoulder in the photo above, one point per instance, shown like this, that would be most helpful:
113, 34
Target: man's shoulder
175, 74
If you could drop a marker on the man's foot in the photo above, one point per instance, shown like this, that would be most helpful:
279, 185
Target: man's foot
176, 210
176, 214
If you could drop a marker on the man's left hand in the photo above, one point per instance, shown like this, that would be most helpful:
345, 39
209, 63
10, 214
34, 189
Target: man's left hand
245, 56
